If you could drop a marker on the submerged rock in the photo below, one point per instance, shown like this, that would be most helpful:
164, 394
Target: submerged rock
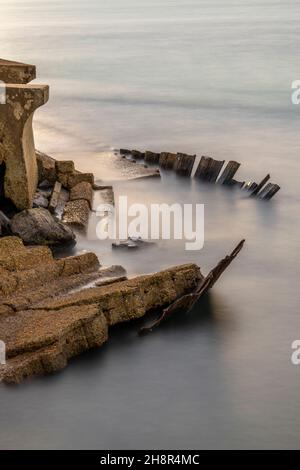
39, 227
132, 243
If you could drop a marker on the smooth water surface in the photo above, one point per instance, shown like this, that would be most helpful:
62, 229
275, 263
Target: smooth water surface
207, 77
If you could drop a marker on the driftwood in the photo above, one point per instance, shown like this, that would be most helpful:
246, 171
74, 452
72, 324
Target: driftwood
187, 302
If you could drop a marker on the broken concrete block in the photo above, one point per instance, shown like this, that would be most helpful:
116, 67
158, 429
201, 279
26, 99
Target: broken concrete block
17, 152
78, 177
64, 166
16, 72
76, 213
55, 197
84, 191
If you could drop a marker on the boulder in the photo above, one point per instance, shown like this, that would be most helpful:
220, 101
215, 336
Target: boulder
39, 227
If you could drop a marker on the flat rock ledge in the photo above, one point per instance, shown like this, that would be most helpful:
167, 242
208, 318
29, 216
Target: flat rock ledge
44, 322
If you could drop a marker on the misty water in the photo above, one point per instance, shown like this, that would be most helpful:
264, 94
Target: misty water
206, 77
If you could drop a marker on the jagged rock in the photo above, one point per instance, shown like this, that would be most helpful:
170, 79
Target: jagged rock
43, 337
83, 191
76, 213
39, 227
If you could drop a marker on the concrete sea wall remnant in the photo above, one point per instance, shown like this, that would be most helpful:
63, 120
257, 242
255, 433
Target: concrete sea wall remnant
17, 151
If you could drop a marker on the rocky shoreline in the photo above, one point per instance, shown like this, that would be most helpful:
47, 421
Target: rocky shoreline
53, 309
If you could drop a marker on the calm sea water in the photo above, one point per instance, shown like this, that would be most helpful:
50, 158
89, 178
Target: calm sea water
208, 77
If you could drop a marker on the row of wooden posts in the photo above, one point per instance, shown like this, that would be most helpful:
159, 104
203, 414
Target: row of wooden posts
208, 170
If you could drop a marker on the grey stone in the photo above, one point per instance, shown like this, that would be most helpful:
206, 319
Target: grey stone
39, 227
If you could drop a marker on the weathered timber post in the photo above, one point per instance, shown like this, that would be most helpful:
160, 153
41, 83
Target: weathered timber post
17, 150
269, 191
209, 169
167, 160
184, 164
260, 185
229, 172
